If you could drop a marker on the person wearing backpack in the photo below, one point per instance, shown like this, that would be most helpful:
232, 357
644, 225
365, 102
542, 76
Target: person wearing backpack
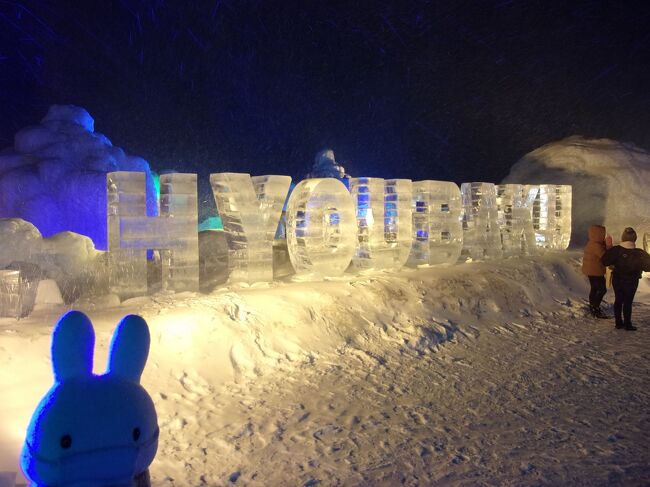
628, 262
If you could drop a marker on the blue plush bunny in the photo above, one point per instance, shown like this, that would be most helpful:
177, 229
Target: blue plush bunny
93, 430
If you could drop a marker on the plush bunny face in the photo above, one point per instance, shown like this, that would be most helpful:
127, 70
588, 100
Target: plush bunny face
93, 430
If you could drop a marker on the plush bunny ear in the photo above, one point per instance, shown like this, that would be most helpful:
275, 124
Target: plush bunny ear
129, 348
73, 343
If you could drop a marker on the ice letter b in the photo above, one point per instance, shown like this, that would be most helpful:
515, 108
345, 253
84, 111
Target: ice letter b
437, 226
482, 237
552, 216
250, 209
321, 228
131, 232
384, 222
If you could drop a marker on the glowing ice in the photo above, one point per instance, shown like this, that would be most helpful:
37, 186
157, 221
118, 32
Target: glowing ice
10, 294
515, 207
250, 209
131, 233
437, 227
481, 235
552, 216
384, 223
321, 228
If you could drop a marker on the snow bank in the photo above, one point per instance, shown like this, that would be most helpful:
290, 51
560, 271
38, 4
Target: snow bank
55, 175
610, 182
68, 258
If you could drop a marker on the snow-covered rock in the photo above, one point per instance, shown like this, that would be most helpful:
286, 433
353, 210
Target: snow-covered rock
610, 182
55, 175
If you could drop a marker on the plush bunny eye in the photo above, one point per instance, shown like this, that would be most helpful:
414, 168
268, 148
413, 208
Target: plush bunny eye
66, 442
136, 434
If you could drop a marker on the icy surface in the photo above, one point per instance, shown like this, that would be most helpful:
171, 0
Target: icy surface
11, 293
552, 216
515, 204
384, 222
131, 233
437, 226
436, 376
481, 234
321, 228
55, 175
610, 182
250, 210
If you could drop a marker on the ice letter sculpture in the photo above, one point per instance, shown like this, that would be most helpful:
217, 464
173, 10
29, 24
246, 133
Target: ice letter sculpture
552, 216
250, 209
93, 430
131, 232
384, 222
515, 204
321, 228
437, 226
482, 238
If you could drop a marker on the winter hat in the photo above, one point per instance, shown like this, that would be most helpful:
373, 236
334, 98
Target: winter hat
629, 235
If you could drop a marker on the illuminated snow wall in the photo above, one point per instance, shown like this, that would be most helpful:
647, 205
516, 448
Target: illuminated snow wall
55, 175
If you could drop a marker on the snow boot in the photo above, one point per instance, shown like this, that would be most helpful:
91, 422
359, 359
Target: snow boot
598, 313
630, 327
620, 325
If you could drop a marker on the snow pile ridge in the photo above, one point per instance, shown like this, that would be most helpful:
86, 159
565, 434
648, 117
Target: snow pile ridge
610, 182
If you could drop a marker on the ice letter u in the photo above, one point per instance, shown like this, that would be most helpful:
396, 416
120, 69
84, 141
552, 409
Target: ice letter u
250, 209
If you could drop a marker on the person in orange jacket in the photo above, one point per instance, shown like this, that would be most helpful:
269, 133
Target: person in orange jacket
594, 269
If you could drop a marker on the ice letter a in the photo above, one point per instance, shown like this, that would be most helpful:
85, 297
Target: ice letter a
250, 209
131, 232
437, 226
515, 203
384, 222
552, 216
321, 228
482, 237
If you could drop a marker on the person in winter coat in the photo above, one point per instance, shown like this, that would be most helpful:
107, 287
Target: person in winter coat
628, 262
594, 269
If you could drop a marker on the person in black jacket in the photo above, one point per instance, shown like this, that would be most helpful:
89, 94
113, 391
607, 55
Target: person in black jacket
628, 262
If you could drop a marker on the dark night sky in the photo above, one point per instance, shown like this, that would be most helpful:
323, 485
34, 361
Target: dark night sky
454, 90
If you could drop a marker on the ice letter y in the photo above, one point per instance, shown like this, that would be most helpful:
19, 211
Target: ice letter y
250, 209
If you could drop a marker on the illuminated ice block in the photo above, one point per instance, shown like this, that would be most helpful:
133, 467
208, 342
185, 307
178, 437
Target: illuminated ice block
131, 233
552, 216
437, 227
250, 210
384, 224
515, 209
11, 294
481, 234
321, 228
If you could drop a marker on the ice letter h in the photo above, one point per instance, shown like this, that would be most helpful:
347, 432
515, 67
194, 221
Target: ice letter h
131, 232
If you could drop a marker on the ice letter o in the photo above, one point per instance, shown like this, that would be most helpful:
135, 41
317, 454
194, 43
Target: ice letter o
384, 223
250, 209
321, 228
437, 226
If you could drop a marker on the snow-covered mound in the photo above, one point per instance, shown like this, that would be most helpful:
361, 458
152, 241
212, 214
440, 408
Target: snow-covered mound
55, 175
68, 258
610, 182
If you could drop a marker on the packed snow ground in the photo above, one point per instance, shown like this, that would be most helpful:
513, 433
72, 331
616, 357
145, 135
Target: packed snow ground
475, 374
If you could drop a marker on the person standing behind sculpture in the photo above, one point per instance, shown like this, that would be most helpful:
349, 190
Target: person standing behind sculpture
594, 269
628, 262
